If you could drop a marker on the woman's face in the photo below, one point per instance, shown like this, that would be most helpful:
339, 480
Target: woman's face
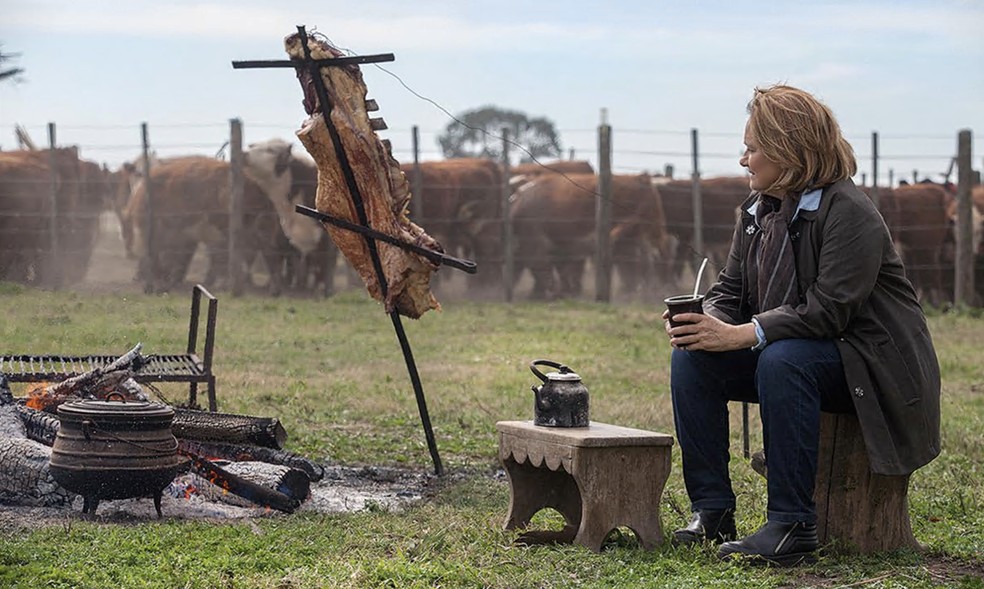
762, 173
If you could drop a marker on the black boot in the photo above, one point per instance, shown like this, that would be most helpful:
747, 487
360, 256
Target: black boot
783, 544
713, 525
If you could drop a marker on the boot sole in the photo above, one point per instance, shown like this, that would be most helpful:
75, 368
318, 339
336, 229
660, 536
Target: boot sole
784, 560
691, 539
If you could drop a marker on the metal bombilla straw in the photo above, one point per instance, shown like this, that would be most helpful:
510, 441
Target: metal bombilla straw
700, 272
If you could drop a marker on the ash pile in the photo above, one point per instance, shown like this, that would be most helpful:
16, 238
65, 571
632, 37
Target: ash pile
111, 446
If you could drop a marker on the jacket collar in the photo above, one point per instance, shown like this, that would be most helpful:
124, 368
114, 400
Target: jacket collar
809, 203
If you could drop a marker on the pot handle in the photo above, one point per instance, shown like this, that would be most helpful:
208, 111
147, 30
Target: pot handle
87, 427
552, 364
116, 394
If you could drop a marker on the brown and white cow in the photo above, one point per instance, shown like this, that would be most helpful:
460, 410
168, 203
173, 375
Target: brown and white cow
267, 165
554, 226
190, 202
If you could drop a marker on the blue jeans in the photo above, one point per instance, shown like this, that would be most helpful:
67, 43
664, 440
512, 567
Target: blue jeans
792, 380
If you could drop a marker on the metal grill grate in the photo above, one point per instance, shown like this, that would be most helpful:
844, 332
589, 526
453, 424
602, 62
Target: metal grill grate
189, 368
28, 368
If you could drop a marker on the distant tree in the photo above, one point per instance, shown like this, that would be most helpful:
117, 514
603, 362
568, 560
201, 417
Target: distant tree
478, 134
8, 73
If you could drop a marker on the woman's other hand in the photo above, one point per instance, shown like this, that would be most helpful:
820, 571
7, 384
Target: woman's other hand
696, 331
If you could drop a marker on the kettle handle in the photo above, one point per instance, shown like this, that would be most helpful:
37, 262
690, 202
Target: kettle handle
564, 369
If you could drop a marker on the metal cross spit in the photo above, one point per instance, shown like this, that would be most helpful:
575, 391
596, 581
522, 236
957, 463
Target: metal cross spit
363, 228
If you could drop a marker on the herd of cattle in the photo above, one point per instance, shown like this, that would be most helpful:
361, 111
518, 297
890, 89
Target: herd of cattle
551, 210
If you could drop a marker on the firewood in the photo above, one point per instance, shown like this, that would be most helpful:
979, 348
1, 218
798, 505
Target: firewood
192, 424
243, 452
104, 377
97, 383
237, 485
6, 397
25, 478
39, 426
289, 481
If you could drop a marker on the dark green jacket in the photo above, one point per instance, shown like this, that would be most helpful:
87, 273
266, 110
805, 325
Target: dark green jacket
853, 290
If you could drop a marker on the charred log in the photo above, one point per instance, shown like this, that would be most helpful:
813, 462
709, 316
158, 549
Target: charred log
241, 452
291, 482
115, 377
39, 426
25, 478
243, 487
102, 378
6, 397
192, 424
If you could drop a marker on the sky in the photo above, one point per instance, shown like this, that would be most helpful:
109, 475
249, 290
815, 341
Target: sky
911, 71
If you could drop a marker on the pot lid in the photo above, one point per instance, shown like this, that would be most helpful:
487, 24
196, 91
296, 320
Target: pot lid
563, 376
93, 407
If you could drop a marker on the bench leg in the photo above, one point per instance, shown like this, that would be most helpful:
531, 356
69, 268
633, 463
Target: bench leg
532, 489
621, 487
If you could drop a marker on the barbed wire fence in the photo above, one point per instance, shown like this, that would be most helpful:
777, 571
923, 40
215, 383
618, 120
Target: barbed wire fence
55, 232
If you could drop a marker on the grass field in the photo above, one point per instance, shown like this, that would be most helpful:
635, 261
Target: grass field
333, 373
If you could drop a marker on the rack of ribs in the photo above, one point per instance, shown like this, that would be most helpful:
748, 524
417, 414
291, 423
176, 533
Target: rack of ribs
384, 188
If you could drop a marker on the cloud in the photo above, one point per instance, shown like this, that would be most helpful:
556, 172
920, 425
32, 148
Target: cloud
243, 21
824, 73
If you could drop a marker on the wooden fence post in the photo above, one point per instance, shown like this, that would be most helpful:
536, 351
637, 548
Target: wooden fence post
874, 168
508, 265
964, 279
696, 196
150, 269
416, 179
51, 276
236, 186
603, 213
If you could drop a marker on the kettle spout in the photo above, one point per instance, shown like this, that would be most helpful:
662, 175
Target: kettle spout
541, 403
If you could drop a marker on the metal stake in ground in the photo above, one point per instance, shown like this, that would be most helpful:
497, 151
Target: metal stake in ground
326, 108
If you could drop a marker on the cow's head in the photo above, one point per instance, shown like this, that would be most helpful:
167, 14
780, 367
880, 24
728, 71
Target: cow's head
268, 160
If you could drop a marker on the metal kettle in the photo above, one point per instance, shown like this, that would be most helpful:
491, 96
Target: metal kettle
562, 399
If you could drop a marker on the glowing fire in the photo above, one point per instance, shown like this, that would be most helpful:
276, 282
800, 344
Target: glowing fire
39, 398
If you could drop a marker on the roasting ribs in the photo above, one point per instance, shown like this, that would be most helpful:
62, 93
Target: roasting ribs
384, 189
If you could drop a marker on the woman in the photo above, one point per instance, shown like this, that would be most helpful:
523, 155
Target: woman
812, 313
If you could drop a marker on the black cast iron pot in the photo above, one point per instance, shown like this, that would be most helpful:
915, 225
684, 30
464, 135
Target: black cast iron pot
115, 449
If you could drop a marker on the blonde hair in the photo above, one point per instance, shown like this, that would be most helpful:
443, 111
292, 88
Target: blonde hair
800, 134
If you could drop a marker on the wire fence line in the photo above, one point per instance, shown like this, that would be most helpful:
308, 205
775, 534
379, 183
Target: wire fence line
905, 154
29, 244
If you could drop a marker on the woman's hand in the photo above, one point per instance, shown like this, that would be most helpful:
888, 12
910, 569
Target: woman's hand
696, 331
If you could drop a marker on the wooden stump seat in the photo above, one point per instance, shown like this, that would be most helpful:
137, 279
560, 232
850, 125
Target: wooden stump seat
859, 510
599, 478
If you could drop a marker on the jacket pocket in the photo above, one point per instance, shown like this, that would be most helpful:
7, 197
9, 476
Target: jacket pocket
898, 368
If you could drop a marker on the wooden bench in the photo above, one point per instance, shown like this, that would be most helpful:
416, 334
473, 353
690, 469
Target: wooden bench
857, 509
188, 367
598, 478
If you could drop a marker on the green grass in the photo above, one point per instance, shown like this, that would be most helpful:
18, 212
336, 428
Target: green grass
332, 371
